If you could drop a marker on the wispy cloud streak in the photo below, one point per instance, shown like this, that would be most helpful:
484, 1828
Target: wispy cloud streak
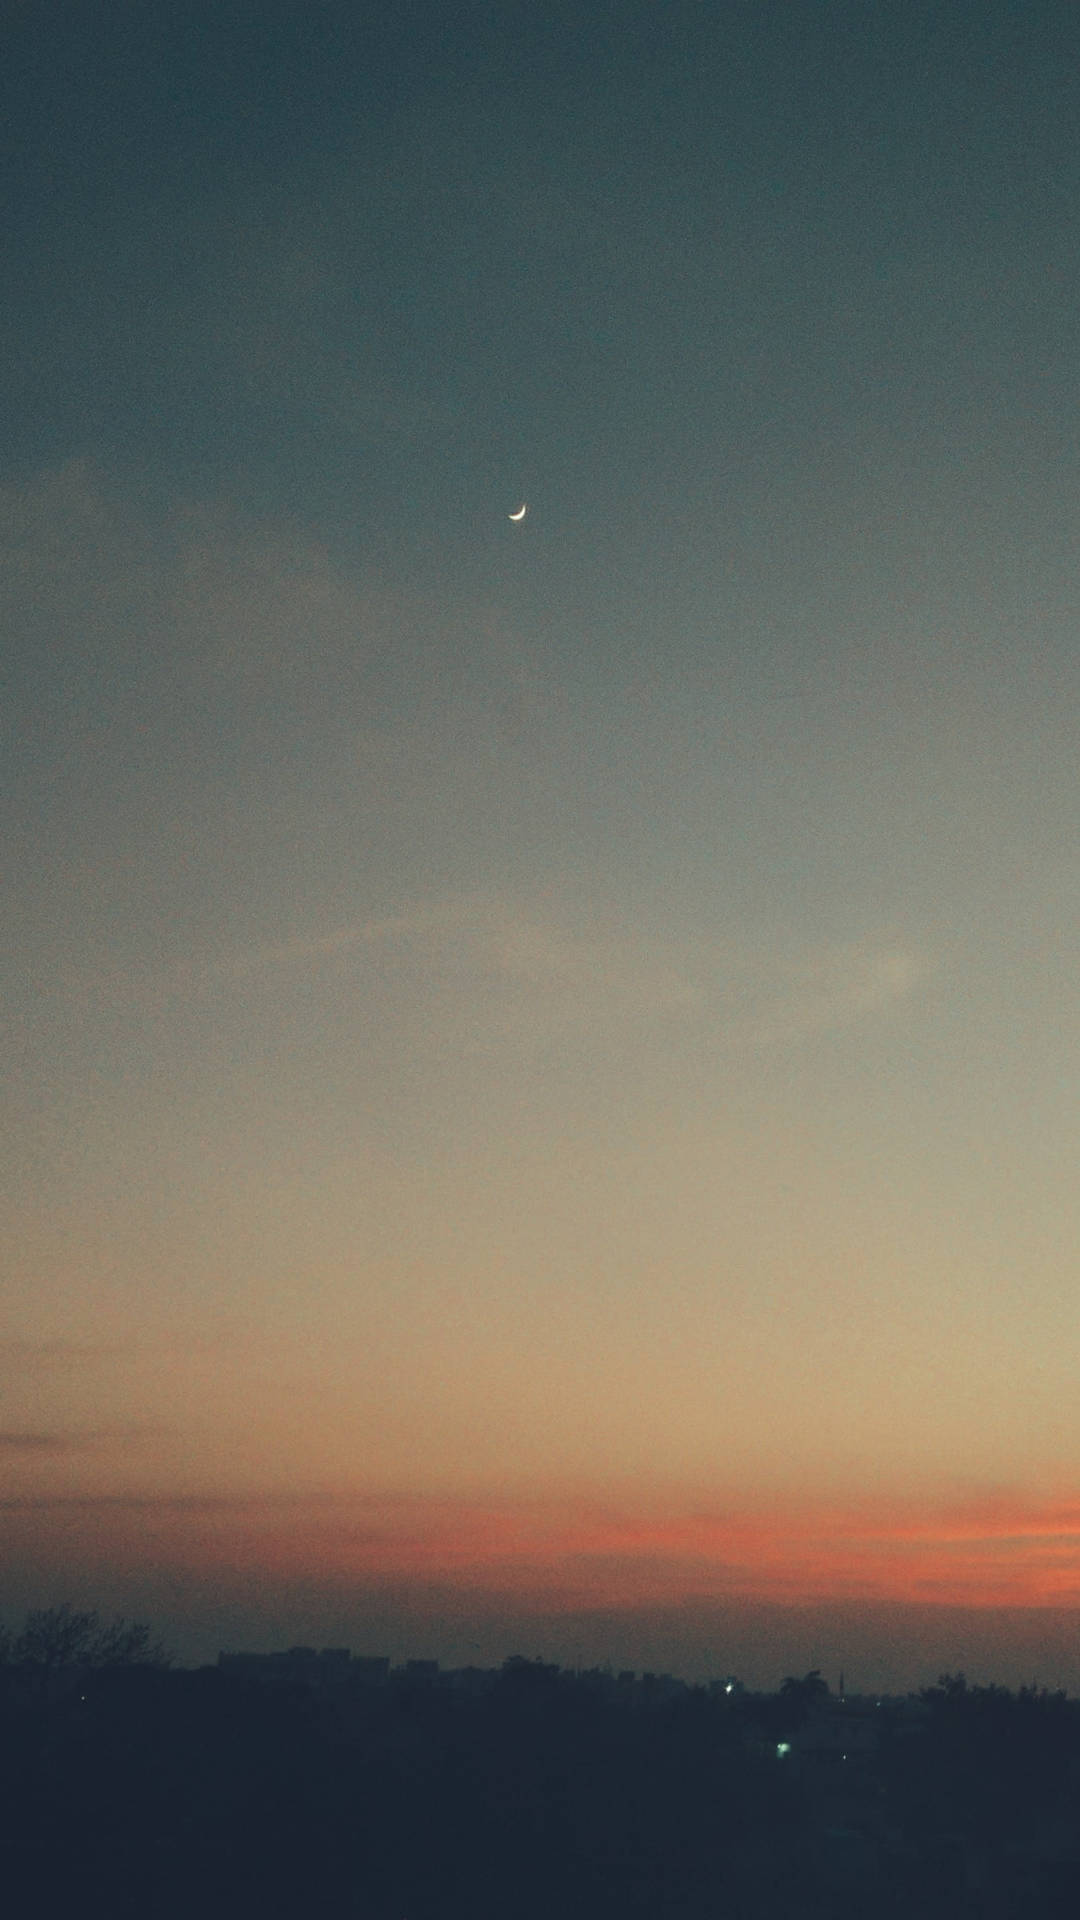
31, 1441
744, 997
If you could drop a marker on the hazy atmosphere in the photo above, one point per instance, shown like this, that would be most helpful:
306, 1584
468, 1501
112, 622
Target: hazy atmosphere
542, 1055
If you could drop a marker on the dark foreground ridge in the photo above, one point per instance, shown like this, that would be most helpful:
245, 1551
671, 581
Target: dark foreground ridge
307, 1783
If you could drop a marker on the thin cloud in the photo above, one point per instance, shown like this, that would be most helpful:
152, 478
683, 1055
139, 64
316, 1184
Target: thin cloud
797, 998
512, 974
265, 1500
259, 605
84, 570
125, 1503
32, 1441
478, 943
743, 997
43, 1353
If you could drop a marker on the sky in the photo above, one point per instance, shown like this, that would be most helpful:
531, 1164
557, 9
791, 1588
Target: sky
541, 1107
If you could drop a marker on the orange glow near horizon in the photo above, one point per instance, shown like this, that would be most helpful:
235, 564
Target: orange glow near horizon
997, 1552
984, 1555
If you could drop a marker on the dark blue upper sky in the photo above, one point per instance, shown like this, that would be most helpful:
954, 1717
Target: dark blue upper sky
537, 216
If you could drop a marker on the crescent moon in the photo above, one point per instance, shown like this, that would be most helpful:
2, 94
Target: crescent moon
521, 512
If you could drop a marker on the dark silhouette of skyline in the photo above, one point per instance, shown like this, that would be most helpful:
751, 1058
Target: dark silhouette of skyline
315, 1781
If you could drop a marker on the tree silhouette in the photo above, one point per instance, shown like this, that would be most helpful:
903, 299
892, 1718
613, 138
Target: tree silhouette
55, 1639
810, 1688
800, 1697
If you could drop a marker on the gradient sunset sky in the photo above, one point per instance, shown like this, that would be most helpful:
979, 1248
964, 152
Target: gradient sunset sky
542, 1061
